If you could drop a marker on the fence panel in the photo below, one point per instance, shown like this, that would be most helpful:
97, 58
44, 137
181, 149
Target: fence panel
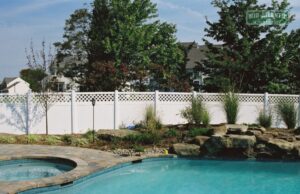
72, 112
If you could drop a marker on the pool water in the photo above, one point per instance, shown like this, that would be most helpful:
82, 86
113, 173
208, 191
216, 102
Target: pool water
27, 169
183, 176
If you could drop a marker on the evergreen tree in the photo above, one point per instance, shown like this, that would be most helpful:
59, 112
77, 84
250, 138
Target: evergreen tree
249, 58
72, 52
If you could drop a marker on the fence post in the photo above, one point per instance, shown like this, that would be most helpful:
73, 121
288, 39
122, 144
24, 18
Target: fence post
266, 103
73, 112
156, 101
28, 103
116, 112
194, 95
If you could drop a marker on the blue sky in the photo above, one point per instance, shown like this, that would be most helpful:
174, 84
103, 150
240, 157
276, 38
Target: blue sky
23, 20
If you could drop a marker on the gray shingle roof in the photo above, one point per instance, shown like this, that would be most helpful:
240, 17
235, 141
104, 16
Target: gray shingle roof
7, 80
195, 53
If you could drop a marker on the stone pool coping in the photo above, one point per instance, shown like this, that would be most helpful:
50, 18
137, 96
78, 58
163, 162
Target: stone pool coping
88, 161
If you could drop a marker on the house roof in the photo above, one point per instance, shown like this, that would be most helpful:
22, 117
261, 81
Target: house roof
7, 80
195, 53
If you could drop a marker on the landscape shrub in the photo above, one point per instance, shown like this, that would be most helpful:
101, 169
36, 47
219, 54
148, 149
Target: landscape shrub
288, 113
151, 121
143, 138
206, 118
53, 140
79, 141
89, 135
21, 139
264, 119
199, 131
196, 113
32, 138
7, 139
171, 133
231, 107
67, 139
138, 148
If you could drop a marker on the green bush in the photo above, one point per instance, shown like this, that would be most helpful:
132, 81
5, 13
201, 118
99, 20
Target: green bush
89, 135
196, 113
198, 131
264, 119
67, 139
78, 141
151, 121
31, 139
7, 139
206, 118
231, 107
143, 138
288, 114
132, 138
138, 148
171, 133
53, 140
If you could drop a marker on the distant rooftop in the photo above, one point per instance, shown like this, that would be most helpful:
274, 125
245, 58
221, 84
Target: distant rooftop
7, 80
195, 53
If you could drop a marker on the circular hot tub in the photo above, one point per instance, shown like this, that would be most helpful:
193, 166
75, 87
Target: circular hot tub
33, 168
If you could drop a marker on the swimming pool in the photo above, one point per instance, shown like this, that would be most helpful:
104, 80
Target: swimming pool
28, 169
184, 176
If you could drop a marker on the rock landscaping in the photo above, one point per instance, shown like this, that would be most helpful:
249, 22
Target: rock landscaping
216, 141
241, 141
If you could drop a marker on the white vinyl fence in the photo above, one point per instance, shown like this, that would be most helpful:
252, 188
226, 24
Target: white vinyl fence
73, 112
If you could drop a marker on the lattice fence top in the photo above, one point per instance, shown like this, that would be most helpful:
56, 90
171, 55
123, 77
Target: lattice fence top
175, 97
218, 97
51, 98
99, 97
168, 97
206, 97
136, 96
13, 99
274, 99
251, 97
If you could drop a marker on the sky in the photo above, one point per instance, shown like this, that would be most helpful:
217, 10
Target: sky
24, 20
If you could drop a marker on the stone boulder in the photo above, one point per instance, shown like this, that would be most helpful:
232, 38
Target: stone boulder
236, 129
253, 132
261, 129
224, 129
276, 148
109, 135
219, 130
183, 149
281, 145
200, 140
230, 145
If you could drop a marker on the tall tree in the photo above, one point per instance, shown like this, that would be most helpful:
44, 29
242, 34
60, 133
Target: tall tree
72, 52
247, 57
292, 57
126, 42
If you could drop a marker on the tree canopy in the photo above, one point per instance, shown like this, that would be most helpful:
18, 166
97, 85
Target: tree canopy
249, 58
126, 46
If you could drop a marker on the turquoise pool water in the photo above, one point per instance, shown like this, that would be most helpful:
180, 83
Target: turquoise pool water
182, 176
27, 169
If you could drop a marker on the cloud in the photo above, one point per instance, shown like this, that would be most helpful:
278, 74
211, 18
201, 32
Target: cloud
34, 5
